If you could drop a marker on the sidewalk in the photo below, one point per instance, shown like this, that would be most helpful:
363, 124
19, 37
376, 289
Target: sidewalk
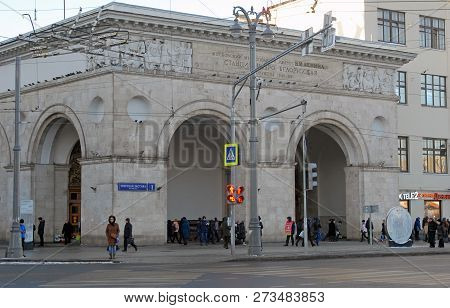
194, 253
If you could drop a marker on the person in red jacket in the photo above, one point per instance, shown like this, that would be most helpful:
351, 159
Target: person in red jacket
289, 230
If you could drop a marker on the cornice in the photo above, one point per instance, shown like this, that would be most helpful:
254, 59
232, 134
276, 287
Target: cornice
148, 22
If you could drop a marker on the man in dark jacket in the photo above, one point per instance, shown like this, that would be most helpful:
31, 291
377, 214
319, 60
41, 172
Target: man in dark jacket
432, 228
226, 234
41, 231
67, 232
128, 235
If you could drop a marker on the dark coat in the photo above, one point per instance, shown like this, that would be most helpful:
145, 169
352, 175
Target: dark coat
332, 229
41, 227
67, 229
225, 229
185, 229
128, 230
432, 226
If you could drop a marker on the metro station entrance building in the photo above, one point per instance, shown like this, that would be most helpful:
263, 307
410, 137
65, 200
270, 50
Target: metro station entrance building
155, 109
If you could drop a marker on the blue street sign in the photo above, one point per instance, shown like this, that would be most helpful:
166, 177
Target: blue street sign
151, 186
132, 186
231, 155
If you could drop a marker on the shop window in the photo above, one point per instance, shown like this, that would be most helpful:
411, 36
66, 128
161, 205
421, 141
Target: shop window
433, 209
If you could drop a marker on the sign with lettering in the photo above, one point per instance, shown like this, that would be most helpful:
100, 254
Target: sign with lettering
136, 186
418, 195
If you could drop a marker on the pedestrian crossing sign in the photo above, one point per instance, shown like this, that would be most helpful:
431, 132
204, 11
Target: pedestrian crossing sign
231, 155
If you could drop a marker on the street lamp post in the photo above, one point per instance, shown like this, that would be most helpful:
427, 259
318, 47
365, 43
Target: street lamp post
254, 248
14, 249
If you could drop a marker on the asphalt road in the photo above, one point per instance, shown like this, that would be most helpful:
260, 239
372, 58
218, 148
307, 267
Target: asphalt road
416, 271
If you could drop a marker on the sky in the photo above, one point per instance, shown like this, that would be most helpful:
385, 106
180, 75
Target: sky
12, 23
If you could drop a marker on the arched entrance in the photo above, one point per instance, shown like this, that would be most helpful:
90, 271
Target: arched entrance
57, 176
196, 177
328, 199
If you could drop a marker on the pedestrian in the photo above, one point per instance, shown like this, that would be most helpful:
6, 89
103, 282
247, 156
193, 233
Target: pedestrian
204, 225
331, 230
198, 230
67, 232
289, 231
338, 230
425, 228
417, 229
440, 233
300, 234
215, 229
309, 229
369, 227
41, 228
432, 228
261, 226
225, 232
363, 230
241, 233
23, 234
169, 231
176, 231
128, 235
383, 231
317, 227
211, 237
112, 233
445, 226
185, 230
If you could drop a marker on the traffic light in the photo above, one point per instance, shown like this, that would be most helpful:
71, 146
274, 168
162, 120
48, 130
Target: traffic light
312, 175
239, 192
230, 193
234, 195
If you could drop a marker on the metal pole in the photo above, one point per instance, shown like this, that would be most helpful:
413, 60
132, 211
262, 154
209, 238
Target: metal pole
233, 171
64, 9
254, 248
370, 227
305, 219
15, 249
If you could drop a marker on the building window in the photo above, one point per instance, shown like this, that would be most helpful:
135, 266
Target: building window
433, 91
400, 89
405, 204
403, 153
433, 209
432, 32
391, 26
434, 155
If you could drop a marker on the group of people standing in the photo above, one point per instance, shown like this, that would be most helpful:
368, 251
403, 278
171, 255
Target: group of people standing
297, 231
433, 228
206, 231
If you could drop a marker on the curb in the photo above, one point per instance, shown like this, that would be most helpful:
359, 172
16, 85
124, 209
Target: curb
68, 261
335, 256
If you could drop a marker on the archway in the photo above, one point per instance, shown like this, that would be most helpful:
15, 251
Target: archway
328, 199
195, 176
57, 175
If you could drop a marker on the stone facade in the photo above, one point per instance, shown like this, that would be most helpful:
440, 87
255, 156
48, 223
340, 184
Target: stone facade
126, 108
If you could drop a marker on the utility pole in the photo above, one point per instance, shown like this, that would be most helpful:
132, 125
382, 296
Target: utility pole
15, 249
328, 42
305, 218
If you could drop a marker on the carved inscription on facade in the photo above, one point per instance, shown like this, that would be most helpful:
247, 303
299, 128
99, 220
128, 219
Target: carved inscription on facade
368, 79
232, 60
166, 55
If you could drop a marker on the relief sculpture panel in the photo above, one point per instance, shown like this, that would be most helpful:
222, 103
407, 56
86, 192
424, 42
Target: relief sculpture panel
368, 79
